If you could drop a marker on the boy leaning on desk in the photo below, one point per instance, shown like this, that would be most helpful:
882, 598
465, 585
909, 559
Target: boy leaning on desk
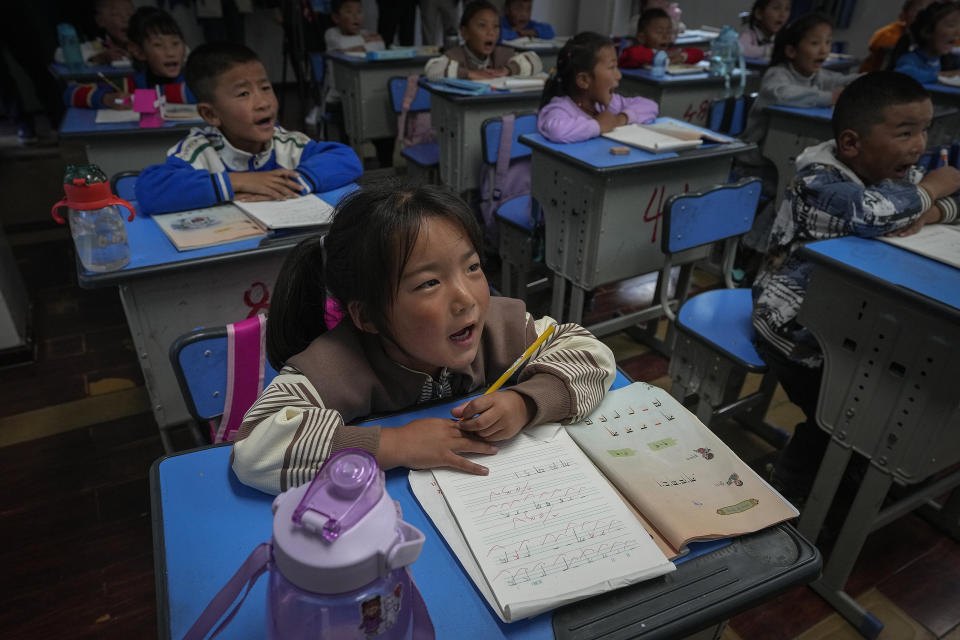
242, 153
864, 182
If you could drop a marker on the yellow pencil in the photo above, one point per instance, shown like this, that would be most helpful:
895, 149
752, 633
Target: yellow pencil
107, 80
526, 354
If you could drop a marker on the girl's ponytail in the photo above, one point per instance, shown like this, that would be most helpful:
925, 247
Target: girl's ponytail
299, 301
578, 55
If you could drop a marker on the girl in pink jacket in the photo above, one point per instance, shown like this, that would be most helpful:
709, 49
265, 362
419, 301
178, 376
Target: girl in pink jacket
579, 102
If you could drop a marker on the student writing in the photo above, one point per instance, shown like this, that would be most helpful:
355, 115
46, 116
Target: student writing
655, 33
159, 49
242, 153
865, 183
480, 56
925, 52
421, 325
516, 23
766, 19
579, 99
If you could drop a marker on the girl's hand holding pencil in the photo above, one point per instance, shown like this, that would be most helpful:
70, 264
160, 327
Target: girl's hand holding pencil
118, 99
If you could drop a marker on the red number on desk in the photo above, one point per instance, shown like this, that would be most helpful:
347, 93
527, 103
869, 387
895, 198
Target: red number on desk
257, 297
700, 114
658, 212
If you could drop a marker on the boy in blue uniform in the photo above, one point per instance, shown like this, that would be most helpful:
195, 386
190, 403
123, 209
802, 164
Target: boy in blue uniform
243, 154
865, 183
516, 23
158, 46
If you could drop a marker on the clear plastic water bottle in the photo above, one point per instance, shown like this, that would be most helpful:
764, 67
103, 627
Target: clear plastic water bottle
70, 44
98, 230
659, 64
726, 56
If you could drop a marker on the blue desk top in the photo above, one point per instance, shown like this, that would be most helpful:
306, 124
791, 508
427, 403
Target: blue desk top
83, 122
812, 113
90, 71
892, 265
595, 153
945, 89
446, 92
419, 59
152, 252
670, 80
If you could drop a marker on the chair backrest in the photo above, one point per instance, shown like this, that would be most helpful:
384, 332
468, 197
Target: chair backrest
697, 218
124, 184
319, 66
490, 136
216, 380
729, 115
397, 87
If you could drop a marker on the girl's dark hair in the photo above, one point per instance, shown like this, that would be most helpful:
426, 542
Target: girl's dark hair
793, 33
360, 260
578, 55
921, 31
151, 21
758, 5
475, 7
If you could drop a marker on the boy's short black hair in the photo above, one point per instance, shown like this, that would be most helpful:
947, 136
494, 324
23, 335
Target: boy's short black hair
649, 16
151, 21
794, 32
209, 61
507, 3
337, 4
860, 107
473, 8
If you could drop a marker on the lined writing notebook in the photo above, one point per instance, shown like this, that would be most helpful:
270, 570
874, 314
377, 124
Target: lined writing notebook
111, 116
307, 211
941, 242
542, 529
648, 139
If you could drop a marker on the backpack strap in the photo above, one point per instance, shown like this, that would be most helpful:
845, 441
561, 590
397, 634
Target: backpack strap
245, 355
503, 154
247, 575
409, 95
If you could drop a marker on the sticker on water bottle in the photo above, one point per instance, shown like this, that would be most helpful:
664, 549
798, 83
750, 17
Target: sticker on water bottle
379, 614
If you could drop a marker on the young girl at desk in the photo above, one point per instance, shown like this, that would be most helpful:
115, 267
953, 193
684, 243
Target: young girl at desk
925, 52
766, 19
579, 102
160, 52
420, 325
480, 57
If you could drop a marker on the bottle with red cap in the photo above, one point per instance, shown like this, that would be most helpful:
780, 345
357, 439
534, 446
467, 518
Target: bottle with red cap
96, 223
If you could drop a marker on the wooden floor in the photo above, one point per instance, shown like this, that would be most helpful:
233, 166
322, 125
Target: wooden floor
75, 534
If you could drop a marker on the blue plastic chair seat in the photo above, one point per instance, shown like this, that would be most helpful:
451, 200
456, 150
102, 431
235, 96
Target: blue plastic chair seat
425, 155
722, 319
516, 211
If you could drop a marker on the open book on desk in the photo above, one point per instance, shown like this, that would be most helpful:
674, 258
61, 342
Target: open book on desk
666, 134
545, 528
940, 242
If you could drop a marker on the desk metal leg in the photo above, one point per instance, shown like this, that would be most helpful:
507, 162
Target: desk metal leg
856, 527
824, 489
577, 296
556, 298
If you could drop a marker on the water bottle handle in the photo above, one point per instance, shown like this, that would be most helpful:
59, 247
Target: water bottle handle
56, 216
123, 203
248, 574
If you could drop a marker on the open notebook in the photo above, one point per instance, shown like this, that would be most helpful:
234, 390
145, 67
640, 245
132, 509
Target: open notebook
666, 134
941, 242
545, 527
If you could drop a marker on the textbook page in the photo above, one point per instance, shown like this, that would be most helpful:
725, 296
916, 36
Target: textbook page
643, 137
940, 242
207, 227
544, 526
110, 116
306, 211
677, 473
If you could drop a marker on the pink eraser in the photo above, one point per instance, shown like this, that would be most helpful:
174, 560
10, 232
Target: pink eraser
144, 100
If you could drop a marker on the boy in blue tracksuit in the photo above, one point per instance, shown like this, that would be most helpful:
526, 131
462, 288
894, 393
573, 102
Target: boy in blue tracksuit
864, 182
516, 23
243, 154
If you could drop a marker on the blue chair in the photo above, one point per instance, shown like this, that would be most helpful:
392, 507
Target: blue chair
714, 348
200, 363
423, 160
518, 216
729, 115
123, 185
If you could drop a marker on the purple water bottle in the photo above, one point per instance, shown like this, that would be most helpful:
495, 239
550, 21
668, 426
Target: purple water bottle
338, 561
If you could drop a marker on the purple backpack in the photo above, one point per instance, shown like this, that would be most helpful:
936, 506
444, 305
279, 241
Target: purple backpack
415, 127
504, 179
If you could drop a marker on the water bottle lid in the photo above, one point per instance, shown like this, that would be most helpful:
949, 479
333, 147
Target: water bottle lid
342, 531
86, 189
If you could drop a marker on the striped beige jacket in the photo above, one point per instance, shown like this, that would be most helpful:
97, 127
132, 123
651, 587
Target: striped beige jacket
304, 416
457, 62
